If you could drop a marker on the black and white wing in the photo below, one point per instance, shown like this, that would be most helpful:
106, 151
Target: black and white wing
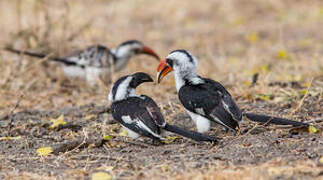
211, 100
95, 56
139, 114
226, 100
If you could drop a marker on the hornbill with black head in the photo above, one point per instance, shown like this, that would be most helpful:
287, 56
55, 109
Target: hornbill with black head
139, 114
207, 100
97, 60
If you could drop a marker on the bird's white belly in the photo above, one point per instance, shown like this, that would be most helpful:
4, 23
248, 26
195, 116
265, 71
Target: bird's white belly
131, 134
202, 123
74, 71
91, 74
94, 74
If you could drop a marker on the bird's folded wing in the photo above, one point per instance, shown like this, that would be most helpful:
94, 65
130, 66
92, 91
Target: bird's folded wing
153, 111
96, 56
221, 116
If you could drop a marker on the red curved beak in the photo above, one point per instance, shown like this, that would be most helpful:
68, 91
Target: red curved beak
148, 51
163, 69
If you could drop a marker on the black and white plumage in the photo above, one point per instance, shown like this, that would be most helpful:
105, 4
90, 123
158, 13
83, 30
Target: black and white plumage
97, 60
209, 100
139, 114
204, 99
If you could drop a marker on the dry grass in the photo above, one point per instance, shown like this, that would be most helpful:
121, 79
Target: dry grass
280, 40
271, 170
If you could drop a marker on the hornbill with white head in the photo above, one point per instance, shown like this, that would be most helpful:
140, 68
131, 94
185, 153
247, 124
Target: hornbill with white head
139, 114
205, 99
97, 60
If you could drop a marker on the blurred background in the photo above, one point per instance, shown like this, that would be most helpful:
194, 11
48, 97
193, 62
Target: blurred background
282, 41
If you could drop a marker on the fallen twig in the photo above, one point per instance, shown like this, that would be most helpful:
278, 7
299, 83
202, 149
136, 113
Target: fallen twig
316, 120
69, 125
76, 144
11, 112
302, 100
133, 143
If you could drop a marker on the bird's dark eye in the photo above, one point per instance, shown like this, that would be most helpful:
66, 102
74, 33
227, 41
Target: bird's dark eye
169, 62
136, 51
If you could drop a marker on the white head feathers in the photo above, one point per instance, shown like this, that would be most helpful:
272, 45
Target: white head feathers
184, 65
183, 61
120, 90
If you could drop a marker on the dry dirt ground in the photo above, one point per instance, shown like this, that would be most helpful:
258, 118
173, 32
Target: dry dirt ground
234, 40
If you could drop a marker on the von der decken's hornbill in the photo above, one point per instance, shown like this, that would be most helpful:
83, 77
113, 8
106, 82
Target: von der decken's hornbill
97, 60
207, 100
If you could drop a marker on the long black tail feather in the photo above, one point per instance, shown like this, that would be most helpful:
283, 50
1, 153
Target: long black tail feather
273, 120
39, 55
191, 134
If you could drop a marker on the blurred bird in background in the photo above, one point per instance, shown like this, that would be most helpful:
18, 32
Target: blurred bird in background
96, 62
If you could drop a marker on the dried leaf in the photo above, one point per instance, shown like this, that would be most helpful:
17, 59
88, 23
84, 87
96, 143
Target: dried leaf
45, 151
238, 21
57, 122
247, 83
10, 138
264, 97
264, 68
164, 167
303, 92
123, 133
307, 84
101, 176
170, 139
283, 54
107, 137
298, 77
320, 12
252, 37
313, 130
321, 160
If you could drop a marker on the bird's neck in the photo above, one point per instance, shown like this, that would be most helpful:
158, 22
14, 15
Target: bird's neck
125, 93
123, 90
131, 92
122, 55
184, 77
